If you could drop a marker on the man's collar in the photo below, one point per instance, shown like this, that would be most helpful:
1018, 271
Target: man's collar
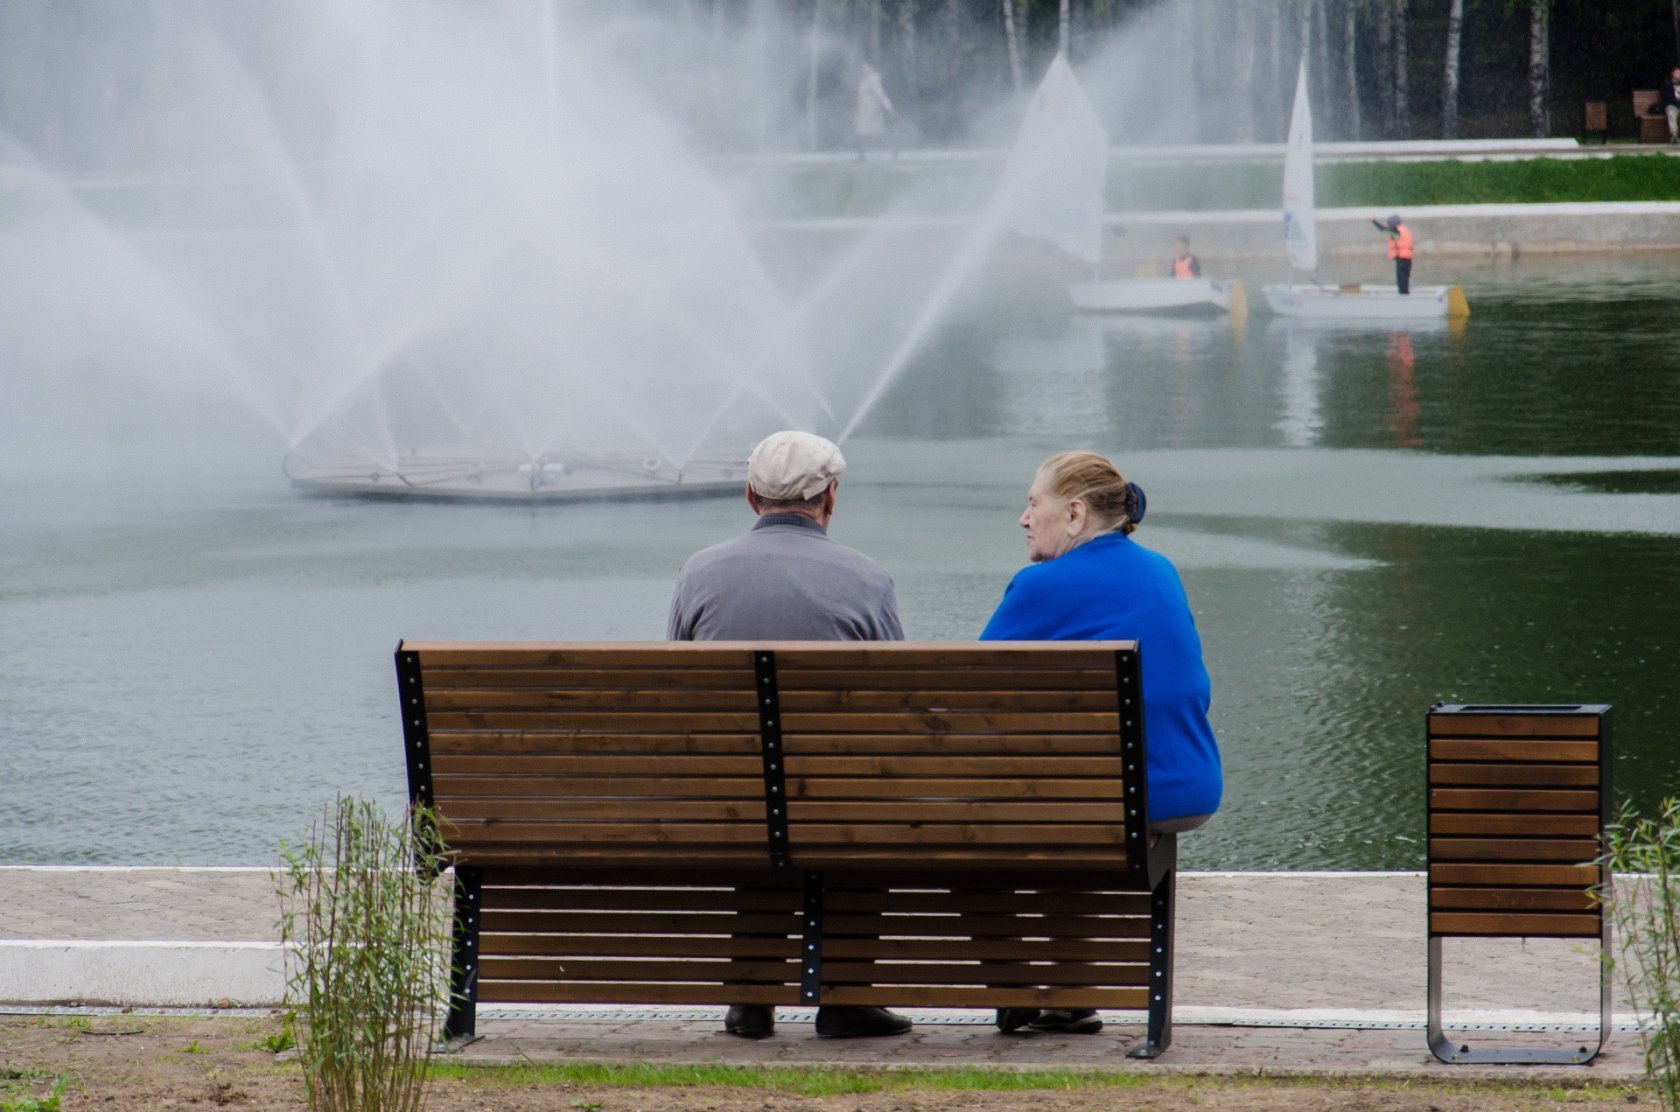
771, 520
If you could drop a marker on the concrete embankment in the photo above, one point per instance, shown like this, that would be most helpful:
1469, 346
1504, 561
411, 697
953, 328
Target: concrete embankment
1442, 231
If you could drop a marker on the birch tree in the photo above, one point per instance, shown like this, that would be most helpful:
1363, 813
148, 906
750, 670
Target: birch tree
1449, 71
1385, 67
1012, 39
1540, 65
1402, 102
1350, 65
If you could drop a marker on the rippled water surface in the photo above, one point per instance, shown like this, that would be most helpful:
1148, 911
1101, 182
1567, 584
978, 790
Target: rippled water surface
1368, 520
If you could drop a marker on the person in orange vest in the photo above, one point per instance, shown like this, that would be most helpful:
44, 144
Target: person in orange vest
1184, 264
1399, 249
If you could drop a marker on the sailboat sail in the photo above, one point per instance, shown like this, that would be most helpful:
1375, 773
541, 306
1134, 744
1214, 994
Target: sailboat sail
1300, 232
1054, 182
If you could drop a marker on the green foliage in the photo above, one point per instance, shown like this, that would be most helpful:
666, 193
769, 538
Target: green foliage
366, 932
28, 1103
953, 190
1646, 914
282, 1040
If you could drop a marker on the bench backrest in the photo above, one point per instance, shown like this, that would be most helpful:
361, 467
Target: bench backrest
815, 755
1518, 799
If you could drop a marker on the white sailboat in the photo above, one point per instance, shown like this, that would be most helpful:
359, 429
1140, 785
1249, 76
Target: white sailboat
1054, 189
1356, 301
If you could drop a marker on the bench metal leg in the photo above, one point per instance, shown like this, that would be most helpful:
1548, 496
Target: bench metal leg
1458, 1053
1158, 1035
459, 1028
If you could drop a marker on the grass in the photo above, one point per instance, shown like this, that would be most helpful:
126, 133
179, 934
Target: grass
942, 189
827, 1082
11, 1100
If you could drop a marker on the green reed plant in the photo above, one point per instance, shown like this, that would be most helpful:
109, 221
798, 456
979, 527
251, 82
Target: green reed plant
365, 926
1646, 914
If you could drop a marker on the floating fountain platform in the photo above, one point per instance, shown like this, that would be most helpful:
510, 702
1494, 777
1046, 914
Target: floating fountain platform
492, 478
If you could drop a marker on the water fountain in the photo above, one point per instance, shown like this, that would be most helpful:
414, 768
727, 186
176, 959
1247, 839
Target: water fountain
417, 249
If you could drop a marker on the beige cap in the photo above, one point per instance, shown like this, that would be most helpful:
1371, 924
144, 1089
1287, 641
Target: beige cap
790, 466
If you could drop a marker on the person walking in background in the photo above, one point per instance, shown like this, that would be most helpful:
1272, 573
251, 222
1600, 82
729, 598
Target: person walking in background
785, 580
1671, 104
1089, 581
1399, 249
873, 108
1184, 264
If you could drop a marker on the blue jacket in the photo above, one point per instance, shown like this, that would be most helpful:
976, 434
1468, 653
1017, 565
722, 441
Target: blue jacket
1111, 588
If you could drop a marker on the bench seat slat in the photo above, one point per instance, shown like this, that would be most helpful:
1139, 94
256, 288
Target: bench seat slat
606, 787
474, 742
990, 857
900, 996
836, 787
667, 767
469, 832
953, 721
852, 699
629, 722
495, 991
623, 700
956, 678
638, 922
580, 677
700, 970
1511, 823
901, 949
989, 976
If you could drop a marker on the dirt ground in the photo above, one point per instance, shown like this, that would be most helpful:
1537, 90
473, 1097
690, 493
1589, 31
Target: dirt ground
144, 1062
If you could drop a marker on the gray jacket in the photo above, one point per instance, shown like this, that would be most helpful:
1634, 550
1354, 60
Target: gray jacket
785, 580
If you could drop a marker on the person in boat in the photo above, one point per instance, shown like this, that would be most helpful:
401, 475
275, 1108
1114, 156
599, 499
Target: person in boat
1399, 249
786, 580
1089, 581
1184, 264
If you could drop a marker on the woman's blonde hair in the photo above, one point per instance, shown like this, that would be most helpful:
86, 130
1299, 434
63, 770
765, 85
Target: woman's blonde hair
1113, 503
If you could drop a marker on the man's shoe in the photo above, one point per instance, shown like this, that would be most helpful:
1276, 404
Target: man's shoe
750, 1021
856, 1022
1013, 1019
1068, 1021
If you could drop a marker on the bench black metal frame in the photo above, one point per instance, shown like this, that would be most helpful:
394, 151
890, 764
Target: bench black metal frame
935, 824
1519, 798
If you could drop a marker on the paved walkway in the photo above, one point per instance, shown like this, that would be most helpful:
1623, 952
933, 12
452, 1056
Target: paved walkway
1281, 972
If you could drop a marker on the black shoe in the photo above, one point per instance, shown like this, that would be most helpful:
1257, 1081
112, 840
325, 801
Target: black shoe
1068, 1021
856, 1022
1013, 1019
750, 1021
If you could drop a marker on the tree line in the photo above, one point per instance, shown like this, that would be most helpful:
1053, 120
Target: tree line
1381, 69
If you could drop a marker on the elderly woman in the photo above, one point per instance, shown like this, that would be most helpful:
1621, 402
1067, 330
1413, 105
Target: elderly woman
1090, 581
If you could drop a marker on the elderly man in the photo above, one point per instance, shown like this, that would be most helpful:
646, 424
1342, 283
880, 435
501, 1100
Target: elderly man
785, 580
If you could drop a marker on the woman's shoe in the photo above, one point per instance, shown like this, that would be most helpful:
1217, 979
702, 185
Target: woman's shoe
1068, 1021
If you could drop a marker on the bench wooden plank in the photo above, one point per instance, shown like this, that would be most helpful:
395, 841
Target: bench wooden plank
1523, 775
1519, 875
893, 996
885, 949
995, 975
1495, 799
1526, 726
1486, 750
1512, 849
496, 991
567, 787
826, 787
1511, 899
1513, 824
1515, 924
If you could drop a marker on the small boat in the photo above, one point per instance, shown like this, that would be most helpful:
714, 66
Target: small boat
1362, 302
1355, 301
1104, 295
1053, 190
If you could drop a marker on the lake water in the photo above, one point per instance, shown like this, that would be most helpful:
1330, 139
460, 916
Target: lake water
1367, 520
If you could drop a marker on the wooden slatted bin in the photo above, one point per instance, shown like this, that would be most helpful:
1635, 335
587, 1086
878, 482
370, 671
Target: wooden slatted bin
1518, 798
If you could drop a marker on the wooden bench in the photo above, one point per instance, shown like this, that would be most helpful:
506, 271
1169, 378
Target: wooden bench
1652, 127
1518, 801
945, 825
